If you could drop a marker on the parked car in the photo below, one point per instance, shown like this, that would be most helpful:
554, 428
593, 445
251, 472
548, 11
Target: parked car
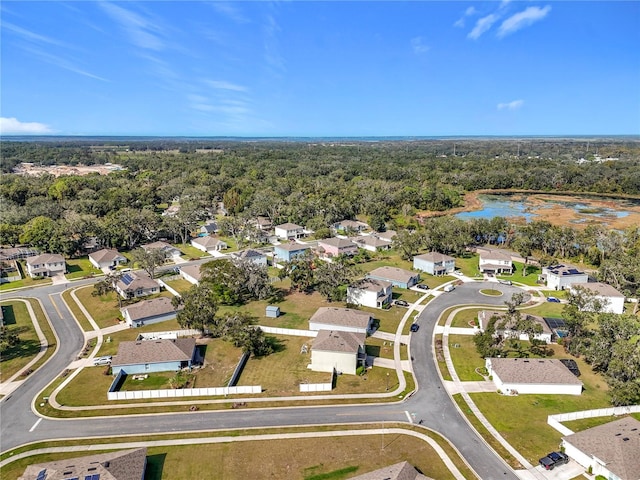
553, 459
553, 299
422, 286
449, 288
102, 360
415, 327
401, 303
505, 282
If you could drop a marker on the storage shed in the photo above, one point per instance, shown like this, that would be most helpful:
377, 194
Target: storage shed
272, 311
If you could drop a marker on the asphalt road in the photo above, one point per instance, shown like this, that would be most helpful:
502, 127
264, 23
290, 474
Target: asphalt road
430, 402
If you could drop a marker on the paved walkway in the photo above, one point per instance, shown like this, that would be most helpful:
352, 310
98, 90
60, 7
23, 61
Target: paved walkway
469, 387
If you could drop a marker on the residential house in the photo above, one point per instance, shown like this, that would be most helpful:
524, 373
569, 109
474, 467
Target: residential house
343, 319
513, 376
209, 244
398, 277
494, 261
171, 211
610, 450
264, 224
288, 251
251, 255
435, 263
610, 299
169, 251
370, 293
289, 231
15, 253
46, 265
337, 350
560, 276
398, 471
372, 243
333, 247
118, 465
9, 271
150, 356
191, 273
507, 329
136, 284
148, 312
386, 235
209, 228
107, 258
349, 226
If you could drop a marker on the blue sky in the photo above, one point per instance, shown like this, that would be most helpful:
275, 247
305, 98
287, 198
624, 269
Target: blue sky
304, 68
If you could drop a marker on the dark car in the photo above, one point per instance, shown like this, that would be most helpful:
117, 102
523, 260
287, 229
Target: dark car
553, 459
415, 327
553, 299
422, 286
401, 303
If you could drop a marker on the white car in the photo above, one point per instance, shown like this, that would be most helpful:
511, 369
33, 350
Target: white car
102, 360
449, 288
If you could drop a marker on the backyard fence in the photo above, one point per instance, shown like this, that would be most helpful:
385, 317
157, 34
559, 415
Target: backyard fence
183, 392
169, 289
319, 387
555, 420
288, 331
168, 335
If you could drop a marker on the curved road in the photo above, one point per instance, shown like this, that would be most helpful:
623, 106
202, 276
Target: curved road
430, 402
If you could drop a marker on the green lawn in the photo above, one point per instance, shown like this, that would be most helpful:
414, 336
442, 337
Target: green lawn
517, 277
189, 251
75, 310
18, 321
468, 265
491, 292
464, 318
180, 285
465, 358
80, 267
26, 281
377, 347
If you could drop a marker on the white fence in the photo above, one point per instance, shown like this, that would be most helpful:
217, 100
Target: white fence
167, 335
316, 387
184, 392
555, 420
289, 331
169, 289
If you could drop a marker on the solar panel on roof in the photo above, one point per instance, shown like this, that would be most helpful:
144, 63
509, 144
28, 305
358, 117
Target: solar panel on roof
554, 322
127, 279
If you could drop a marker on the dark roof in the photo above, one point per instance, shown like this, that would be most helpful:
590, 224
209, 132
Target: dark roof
563, 270
120, 465
154, 351
371, 285
616, 443
149, 308
249, 254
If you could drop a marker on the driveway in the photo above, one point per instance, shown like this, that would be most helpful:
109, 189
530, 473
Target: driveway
563, 472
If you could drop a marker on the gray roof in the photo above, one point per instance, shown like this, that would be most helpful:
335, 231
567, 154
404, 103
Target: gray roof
599, 288
387, 235
208, 241
493, 255
372, 241
355, 224
338, 341
45, 258
159, 245
149, 308
337, 242
393, 273
345, 317
192, 270
292, 247
120, 465
371, 285
435, 257
154, 351
106, 255
399, 471
533, 370
616, 443
289, 226
140, 280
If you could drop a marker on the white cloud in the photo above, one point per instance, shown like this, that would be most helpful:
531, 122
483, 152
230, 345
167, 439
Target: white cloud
522, 19
482, 25
224, 85
31, 36
470, 11
231, 11
142, 32
418, 45
13, 126
467, 13
514, 105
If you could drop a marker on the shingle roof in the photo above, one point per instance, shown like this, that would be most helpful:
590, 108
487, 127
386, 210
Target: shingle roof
616, 443
160, 245
392, 273
563, 270
138, 280
207, 241
154, 351
371, 285
120, 465
435, 257
388, 235
45, 258
398, 471
338, 341
289, 226
534, 370
337, 242
372, 241
599, 288
149, 308
250, 253
193, 271
492, 255
345, 317
105, 255
292, 247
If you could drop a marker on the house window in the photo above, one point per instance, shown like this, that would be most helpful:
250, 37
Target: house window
146, 366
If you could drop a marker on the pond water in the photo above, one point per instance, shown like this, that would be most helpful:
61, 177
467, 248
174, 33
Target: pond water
573, 210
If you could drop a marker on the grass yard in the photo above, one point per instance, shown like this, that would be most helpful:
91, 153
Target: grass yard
530, 279
465, 318
547, 309
26, 281
88, 388
408, 295
110, 345
80, 267
377, 347
334, 457
18, 321
389, 258
469, 265
180, 285
75, 310
522, 420
583, 424
220, 361
189, 251
465, 358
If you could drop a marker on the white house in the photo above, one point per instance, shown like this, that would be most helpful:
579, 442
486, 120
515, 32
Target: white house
611, 450
434, 263
495, 262
209, 244
106, 258
334, 349
507, 329
148, 312
136, 284
370, 293
169, 250
611, 299
251, 255
46, 265
372, 243
288, 231
513, 376
560, 277
343, 319
191, 273
398, 277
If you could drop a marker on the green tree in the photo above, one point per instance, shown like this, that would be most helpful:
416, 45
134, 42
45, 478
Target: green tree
199, 309
149, 260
